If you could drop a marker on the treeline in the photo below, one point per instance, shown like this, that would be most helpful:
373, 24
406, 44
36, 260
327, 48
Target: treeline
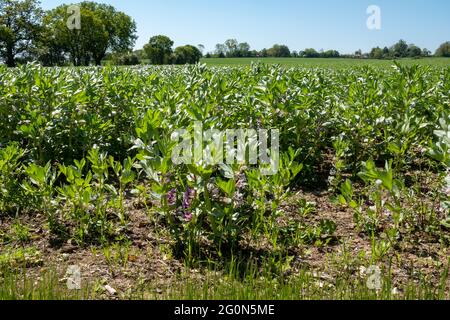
80, 35
159, 50
233, 49
92, 33
400, 50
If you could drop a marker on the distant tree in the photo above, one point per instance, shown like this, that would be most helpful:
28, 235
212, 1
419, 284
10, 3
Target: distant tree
20, 27
201, 48
400, 49
208, 55
103, 30
125, 59
330, 54
310, 53
264, 53
386, 53
186, 55
426, 52
140, 54
253, 53
231, 46
414, 51
159, 49
50, 51
243, 49
376, 53
280, 51
294, 54
358, 53
221, 50
443, 50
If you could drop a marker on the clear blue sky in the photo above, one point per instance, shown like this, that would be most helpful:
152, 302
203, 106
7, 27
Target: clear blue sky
320, 24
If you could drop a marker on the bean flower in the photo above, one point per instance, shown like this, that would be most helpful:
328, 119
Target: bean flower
172, 197
188, 198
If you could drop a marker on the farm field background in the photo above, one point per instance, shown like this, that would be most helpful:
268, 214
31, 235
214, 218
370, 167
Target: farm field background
328, 62
358, 208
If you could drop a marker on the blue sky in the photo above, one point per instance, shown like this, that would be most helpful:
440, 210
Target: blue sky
322, 24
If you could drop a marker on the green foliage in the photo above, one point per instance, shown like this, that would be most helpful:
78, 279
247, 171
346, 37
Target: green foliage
159, 49
103, 29
186, 54
20, 27
127, 59
96, 137
279, 51
440, 150
11, 197
443, 50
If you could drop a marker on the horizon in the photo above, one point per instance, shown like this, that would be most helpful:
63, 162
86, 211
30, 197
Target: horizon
342, 26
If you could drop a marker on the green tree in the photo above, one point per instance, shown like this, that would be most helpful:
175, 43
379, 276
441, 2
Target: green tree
280, 51
310, 53
426, 52
103, 30
400, 49
330, 54
376, 53
221, 50
159, 49
125, 59
264, 53
231, 47
186, 54
443, 50
243, 49
414, 51
20, 26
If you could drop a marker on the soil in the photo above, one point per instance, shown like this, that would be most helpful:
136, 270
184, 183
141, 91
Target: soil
149, 259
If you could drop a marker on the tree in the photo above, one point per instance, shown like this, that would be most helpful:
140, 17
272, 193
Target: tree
376, 53
264, 53
118, 29
414, 51
280, 51
186, 54
125, 59
231, 47
103, 30
310, 53
400, 49
50, 51
426, 52
159, 49
386, 53
220, 50
330, 54
443, 50
20, 25
243, 50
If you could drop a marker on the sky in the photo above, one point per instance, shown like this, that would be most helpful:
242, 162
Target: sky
300, 24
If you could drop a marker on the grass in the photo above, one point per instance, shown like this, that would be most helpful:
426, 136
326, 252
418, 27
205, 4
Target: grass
320, 62
16, 285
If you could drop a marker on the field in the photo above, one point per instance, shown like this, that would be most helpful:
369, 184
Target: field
93, 203
328, 63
